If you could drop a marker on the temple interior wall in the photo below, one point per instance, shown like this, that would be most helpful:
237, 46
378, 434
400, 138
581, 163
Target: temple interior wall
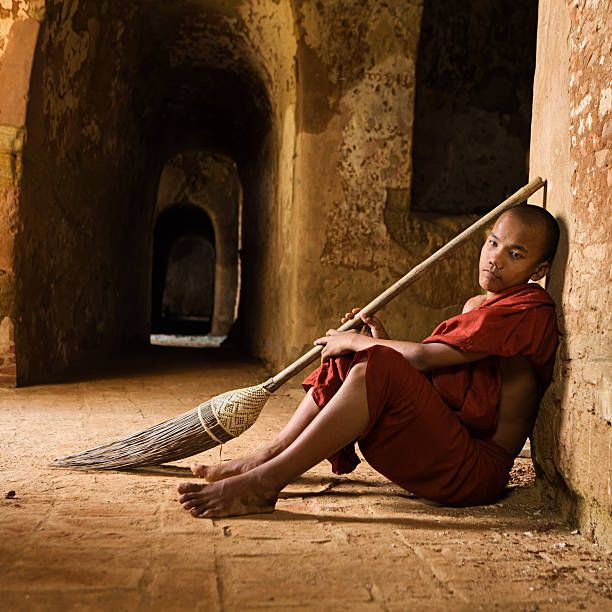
19, 29
571, 145
313, 103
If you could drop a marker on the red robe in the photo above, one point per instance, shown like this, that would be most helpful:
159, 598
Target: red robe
428, 433
518, 321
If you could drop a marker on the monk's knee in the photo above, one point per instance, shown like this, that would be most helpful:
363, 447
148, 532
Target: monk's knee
358, 370
391, 370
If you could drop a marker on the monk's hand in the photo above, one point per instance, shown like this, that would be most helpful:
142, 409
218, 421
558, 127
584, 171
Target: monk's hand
337, 343
375, 328
370, 326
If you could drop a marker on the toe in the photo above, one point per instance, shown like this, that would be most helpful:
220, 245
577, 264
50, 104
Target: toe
190, 487
188, 504
209, 513
185, 497
198, 469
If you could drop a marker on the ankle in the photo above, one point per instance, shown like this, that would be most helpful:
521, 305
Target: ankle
268, 486
276, 447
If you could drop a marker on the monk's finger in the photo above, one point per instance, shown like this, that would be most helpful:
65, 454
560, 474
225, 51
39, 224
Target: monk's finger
331, 332
349, 315
323, 340
324, 356
370, 321
365, 330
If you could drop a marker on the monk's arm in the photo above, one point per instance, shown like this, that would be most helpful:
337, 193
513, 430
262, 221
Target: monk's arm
423, 357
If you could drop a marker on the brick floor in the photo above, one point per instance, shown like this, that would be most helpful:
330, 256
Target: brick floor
120, 541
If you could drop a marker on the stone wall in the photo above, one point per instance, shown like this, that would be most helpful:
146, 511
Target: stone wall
83, 231
572, 147
19, 26
355, 231
312, 102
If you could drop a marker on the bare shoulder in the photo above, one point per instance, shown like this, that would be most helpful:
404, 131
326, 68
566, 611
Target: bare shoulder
473, 302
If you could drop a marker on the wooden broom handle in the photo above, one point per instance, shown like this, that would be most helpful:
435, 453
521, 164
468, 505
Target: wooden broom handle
386, 296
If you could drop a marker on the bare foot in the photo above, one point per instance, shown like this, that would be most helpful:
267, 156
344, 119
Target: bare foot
235, 496
213, 473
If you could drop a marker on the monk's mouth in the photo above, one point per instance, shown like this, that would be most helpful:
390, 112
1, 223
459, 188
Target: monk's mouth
491, 274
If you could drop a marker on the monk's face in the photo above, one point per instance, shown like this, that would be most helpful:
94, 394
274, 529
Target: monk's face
512, 254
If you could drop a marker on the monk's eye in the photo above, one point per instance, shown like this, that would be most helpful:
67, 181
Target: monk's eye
515, 255
492, 242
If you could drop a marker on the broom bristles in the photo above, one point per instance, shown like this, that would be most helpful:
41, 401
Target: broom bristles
212, 423
174, 439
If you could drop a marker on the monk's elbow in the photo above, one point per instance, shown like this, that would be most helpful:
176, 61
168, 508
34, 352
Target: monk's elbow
419, 359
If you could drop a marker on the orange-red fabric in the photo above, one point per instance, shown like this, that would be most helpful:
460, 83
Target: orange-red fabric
420, 435
518, 321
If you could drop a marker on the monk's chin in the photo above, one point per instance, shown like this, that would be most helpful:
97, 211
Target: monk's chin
491, 288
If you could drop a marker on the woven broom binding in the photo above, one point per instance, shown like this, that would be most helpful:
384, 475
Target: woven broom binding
235, 411
211, 424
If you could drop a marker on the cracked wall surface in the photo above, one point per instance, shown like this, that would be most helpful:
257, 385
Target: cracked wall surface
572, 147
354, 149
19, 27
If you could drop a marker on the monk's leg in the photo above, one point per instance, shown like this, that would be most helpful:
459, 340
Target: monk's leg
304, 414
344, 418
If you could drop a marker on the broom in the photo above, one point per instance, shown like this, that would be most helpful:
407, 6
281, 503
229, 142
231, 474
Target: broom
228, 415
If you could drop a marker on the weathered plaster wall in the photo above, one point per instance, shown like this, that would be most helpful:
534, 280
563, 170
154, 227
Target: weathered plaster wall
313, 102
572, 147
83, 232
19, 25
355, 231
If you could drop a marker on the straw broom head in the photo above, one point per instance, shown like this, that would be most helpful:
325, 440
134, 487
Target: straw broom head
214, 422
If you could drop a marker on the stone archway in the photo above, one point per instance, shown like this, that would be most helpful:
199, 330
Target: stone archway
114, 92
208, 184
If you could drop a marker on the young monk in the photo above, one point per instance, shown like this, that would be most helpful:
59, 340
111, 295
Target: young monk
444, 418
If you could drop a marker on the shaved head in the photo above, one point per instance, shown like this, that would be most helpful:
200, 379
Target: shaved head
538, 216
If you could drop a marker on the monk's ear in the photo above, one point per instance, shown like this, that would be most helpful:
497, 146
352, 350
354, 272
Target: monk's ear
541, 271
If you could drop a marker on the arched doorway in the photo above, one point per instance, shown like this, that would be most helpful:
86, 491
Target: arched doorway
183, 281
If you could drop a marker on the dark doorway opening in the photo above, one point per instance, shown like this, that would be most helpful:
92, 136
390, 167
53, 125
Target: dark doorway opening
474, 87
183, 272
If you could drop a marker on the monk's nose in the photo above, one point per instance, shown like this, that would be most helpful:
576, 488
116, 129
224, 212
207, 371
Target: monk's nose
496, 263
